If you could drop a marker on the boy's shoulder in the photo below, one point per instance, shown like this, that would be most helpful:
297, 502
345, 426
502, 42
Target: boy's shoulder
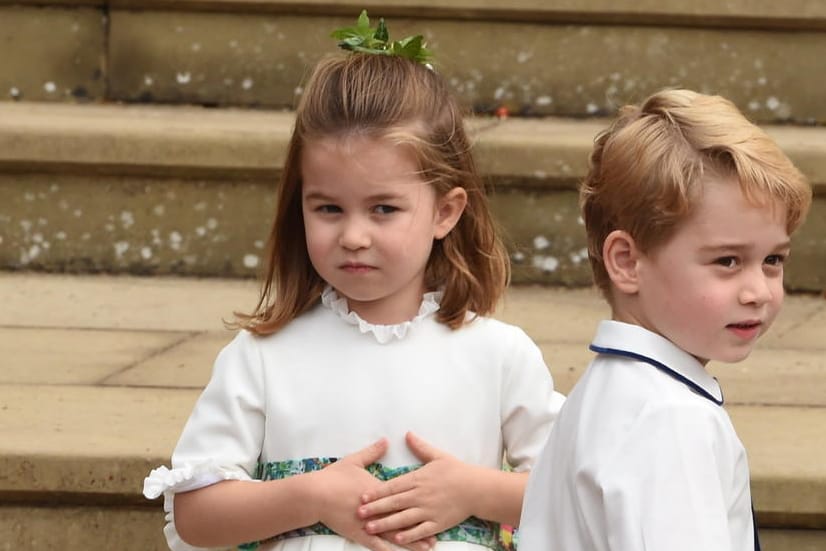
621, 399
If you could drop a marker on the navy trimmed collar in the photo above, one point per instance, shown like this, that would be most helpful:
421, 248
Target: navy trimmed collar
635, 342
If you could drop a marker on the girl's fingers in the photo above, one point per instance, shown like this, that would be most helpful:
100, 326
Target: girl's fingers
391, 523
422, 545
395, 486
368, 455
422, 531
422, 449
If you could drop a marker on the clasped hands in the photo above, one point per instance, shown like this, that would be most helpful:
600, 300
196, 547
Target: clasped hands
407, 510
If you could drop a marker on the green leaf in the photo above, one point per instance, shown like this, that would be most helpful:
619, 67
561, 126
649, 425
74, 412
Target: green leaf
381, 32
363, 22
362, 38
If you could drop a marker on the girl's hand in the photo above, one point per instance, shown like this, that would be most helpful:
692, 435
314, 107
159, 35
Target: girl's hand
422, 503
339, 487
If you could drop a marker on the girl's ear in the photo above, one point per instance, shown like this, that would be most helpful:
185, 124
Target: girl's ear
449, 209
621, 258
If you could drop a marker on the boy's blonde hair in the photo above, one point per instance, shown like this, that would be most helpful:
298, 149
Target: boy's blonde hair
393, 98
648, 168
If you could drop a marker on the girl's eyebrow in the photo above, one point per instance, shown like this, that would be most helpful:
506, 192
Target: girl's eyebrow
317, 196
377, 198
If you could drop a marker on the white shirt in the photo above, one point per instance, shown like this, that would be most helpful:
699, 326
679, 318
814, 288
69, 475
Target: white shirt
329, 384
639, 459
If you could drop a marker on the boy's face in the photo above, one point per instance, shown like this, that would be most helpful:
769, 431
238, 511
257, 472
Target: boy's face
717, 285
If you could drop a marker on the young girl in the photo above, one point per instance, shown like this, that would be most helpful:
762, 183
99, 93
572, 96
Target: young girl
368, 357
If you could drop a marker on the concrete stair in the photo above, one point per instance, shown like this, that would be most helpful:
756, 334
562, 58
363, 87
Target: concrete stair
145, 137
189, 191
99, 374
158, 188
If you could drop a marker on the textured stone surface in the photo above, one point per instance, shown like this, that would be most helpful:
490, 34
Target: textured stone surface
94, 440
82, 528
186, 365
203, 227
789, 14
161, 190
534, 69
51, 54
138, 225
69, 444
76, 356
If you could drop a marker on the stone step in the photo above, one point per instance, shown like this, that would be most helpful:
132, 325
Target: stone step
190, 191
534, 59
85, 418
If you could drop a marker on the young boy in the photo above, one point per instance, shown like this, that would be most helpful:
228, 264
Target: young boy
688, 209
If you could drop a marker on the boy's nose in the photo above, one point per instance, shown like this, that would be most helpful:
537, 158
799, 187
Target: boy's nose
354, 235
757, 289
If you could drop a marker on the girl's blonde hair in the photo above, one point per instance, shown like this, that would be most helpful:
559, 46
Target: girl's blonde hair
648, 168
384, 97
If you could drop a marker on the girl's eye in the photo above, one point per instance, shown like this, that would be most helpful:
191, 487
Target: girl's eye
775, 259
385, 209
328, 209
727, 261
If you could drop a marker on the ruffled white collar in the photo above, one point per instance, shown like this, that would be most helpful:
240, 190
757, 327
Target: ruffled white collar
382, 333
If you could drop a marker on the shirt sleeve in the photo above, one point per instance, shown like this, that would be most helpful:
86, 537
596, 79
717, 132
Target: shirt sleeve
223, 438
529, 402
664, 486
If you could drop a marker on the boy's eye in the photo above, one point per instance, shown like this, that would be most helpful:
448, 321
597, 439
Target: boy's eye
727, 261
775, 259
385, 209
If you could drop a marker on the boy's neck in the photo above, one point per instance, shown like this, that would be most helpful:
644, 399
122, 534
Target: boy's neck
624, 312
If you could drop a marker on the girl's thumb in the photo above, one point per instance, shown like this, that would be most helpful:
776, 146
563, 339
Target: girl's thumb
421, 449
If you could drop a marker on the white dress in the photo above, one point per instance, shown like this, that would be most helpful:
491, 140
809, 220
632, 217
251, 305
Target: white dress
329, 383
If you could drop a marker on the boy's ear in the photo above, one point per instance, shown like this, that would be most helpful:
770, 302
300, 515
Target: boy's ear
621, 258
448, 211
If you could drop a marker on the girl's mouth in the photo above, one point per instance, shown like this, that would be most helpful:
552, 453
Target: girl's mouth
356, 268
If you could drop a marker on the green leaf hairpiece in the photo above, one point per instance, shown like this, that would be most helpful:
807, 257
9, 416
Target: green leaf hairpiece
363, 38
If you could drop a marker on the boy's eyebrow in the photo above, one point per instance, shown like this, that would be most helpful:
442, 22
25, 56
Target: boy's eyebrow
785, 244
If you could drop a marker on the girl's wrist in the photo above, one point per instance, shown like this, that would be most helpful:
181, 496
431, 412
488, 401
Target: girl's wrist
314, 494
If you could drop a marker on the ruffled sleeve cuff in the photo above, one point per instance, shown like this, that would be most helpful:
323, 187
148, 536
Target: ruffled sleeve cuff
168, 482
187, 478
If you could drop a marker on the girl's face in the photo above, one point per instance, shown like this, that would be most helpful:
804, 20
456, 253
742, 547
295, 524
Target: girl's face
370, 221
717, 285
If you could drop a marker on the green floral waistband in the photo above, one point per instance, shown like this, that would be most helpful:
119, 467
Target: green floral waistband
472, 530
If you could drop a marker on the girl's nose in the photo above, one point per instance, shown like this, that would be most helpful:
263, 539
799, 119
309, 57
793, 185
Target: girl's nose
354, 235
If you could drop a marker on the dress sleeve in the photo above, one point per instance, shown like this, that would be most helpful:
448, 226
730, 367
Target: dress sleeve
664, 486
223, 438
529, 402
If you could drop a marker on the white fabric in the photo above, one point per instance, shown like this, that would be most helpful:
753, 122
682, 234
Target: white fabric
325, 387
383, 333
637, 460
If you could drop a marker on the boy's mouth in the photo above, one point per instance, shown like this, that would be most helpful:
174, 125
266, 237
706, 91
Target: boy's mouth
747, 330
744, 325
